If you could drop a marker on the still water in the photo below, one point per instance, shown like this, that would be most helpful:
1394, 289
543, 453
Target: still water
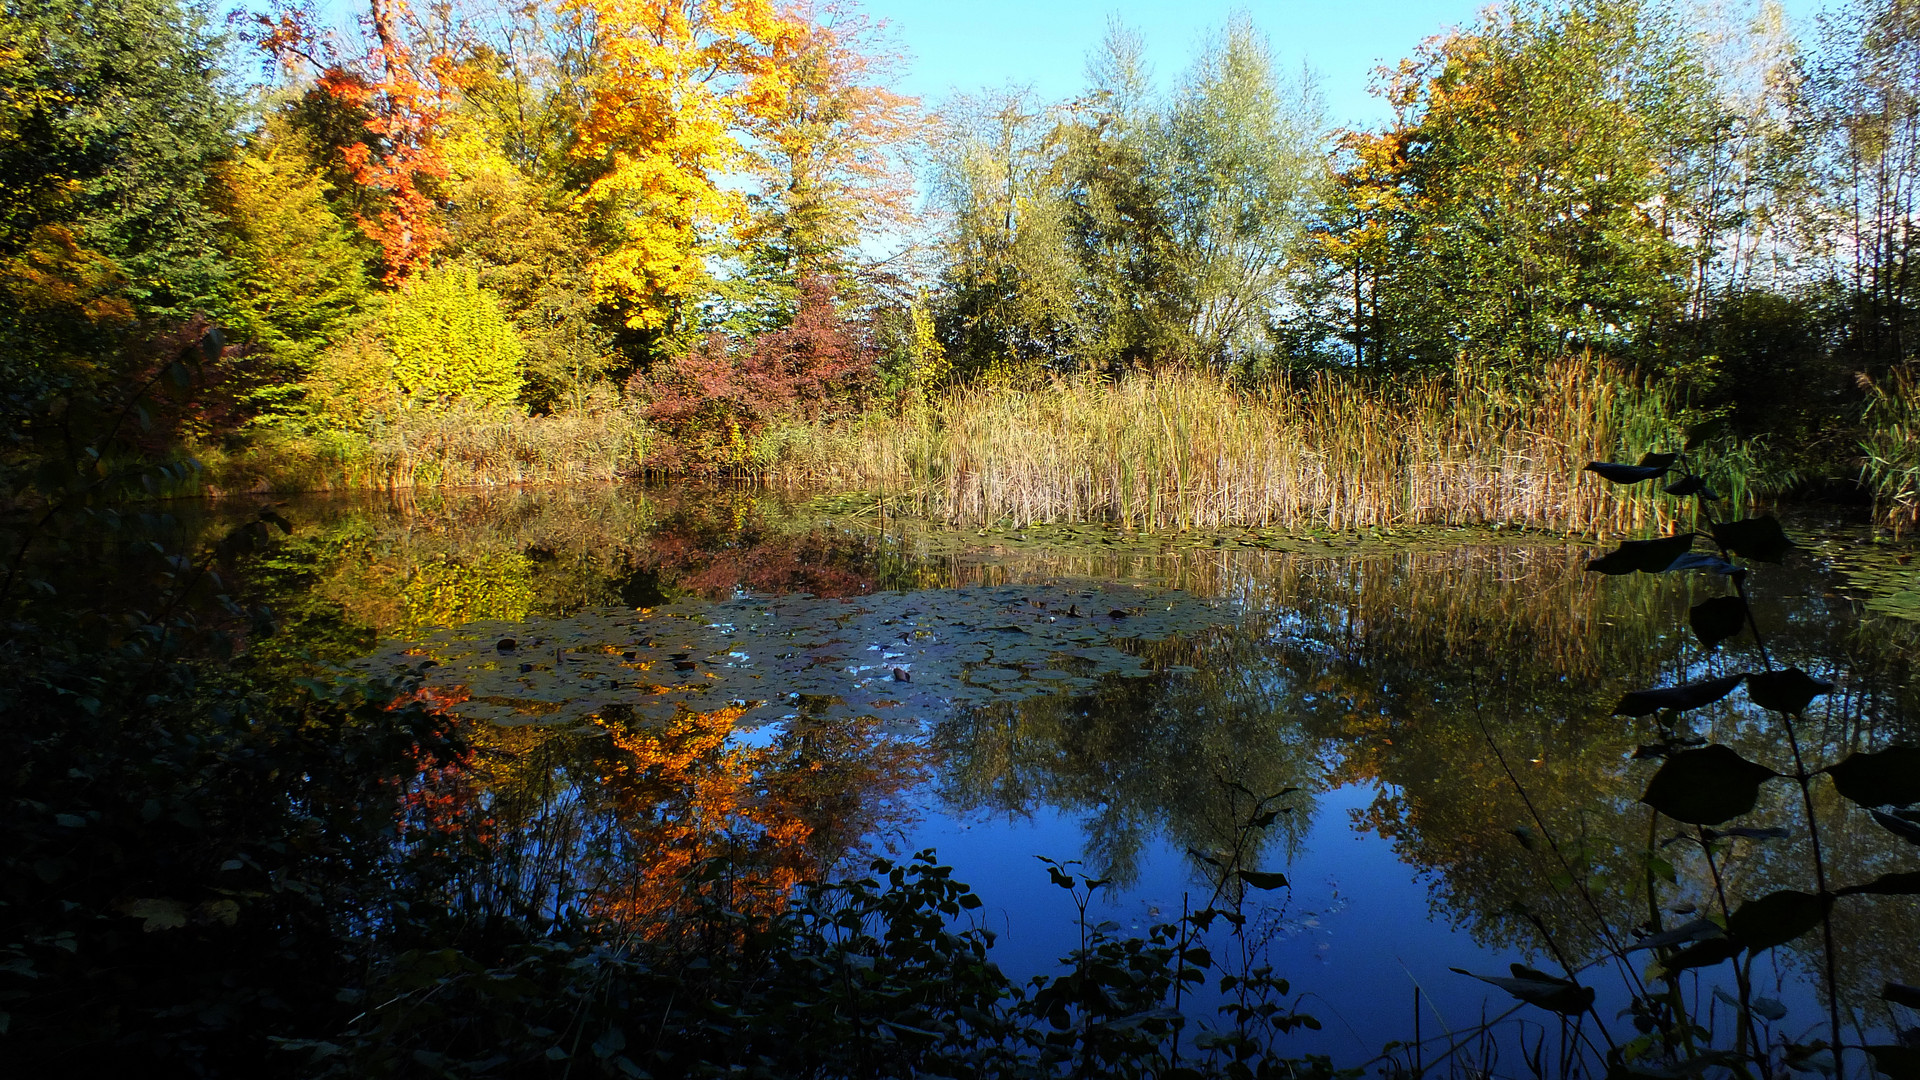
655, 675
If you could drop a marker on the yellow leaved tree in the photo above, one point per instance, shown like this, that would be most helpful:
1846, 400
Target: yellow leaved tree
679, 83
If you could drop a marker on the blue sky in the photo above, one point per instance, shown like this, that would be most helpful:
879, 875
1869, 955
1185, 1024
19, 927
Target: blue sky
976, 44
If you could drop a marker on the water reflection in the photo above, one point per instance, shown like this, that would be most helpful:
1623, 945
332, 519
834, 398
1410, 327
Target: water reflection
1468, 686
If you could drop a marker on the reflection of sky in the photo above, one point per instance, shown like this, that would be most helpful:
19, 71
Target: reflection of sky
1354, 934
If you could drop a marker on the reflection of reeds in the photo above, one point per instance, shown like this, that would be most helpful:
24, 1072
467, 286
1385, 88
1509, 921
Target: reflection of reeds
1192, 451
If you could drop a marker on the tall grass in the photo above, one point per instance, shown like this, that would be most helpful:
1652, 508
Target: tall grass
1890, 448
1333, 451
453, 449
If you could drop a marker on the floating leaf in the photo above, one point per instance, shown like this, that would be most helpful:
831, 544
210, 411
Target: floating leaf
1890, 777
1706, 786
1262, 880
1621, 473
1777, 918
1718, 619
158, 913
1786, 691
1755, 538
1644, 556
1769, 1008
1904, 884
1563, 996
1704, 954
1688, 696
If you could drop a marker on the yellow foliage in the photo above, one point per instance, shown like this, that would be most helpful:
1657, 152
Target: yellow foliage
57, 275
678, 85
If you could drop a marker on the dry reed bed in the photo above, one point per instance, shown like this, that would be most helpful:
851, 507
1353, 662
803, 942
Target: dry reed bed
1334, 451
452, 449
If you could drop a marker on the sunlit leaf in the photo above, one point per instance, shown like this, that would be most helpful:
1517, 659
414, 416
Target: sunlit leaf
1551, 992
1643, 556
1755, 538
1786, 691
1777, 918
1889, 777
1718, 619
1706, 786
1687, 696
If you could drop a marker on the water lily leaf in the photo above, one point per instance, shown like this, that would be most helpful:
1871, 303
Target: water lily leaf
1718, 619
1687, 696
1890, 777
1626, 474
1786, 691
1777, 918
1755, 538
1262, 880
156, 913
1902, 884
1706, 786
1644, 556
1551, 992
1900, 827
1705, 953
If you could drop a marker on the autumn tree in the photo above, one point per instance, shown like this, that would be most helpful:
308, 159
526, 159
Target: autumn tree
831, 161
676, 84
1528, 184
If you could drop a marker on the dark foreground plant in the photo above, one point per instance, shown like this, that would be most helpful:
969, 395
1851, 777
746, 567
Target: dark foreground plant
1700, 797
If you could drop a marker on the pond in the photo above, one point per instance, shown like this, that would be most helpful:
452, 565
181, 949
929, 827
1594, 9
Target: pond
1423, 719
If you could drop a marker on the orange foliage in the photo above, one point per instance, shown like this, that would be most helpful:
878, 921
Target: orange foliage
405, 98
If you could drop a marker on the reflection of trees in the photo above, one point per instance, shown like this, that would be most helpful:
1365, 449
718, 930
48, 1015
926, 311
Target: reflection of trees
1172, 754
624, 822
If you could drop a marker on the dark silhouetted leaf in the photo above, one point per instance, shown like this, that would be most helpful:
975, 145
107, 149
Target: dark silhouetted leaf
1644, 556
1896, 1062
1261, 880
1697, 930
1706, 786
1718, 619
1704, 954
1777, 918
1658, 461
1702, 560
1890, 777
1755, 538
1786, 691
1900, 827
1743, 833
1688, 696
1901, 994
1906, 884
1691, 485
1625, 474
1524, 835
1563, 996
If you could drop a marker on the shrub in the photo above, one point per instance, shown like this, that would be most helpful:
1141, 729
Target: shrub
449, 342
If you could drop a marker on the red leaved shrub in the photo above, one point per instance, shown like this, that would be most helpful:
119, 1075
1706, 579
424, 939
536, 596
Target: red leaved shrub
713, 400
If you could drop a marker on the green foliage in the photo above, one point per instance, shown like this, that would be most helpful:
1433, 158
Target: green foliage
116, 130
300, 272
450, 343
